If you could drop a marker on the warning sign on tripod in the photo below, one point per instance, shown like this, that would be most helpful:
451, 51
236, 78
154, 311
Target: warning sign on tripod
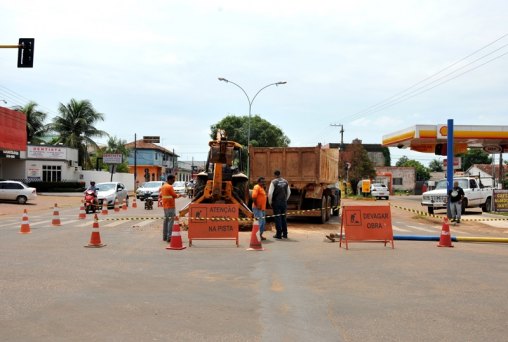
366, 224
213, 222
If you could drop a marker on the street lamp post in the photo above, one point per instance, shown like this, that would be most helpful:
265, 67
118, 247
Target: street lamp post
250, 108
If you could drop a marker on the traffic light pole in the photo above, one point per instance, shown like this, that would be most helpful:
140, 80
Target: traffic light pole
25, 52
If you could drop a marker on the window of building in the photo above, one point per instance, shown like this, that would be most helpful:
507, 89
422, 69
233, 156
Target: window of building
397, 181
51, 173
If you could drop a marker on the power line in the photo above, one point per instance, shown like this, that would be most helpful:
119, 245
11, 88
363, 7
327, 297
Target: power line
20, 100
417, 92
405, 94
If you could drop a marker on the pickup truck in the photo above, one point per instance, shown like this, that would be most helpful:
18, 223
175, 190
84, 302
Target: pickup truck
475, 195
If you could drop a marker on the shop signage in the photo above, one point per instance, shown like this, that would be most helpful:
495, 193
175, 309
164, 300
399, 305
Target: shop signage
46, 152
9, 154
112, 158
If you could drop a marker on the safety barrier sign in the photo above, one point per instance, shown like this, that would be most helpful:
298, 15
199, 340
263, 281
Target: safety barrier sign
213, 222
501, 200
366, 224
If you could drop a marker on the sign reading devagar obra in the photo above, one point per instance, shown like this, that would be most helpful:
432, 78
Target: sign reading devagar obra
366, 224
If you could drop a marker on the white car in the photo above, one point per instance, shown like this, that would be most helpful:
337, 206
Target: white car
149, 189
379, 191
180, 187
108, 192
16, 191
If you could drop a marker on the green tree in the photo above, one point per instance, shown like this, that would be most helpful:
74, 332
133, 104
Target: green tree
361, 166
36, 129
436, 165
75, 127
387, 156
402, 160
262, 132
474, 156
422, 173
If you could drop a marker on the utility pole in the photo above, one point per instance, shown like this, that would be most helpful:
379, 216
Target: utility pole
341, 134
135, 162
341, 148
501, 171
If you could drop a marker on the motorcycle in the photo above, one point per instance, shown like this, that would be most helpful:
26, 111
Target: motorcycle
91, 203
148, 203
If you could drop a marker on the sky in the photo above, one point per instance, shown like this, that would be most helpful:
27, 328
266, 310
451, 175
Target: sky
152, 67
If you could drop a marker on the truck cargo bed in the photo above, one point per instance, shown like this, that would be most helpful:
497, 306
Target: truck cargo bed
298, 165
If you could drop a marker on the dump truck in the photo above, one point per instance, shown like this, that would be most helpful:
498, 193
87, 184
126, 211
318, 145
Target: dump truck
312, 174
223, 180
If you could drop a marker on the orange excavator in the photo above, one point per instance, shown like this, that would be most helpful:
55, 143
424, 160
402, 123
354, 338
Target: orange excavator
223, 180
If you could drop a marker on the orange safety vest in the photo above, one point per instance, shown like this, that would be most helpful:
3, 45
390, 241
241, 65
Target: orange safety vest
259, 197
168, 195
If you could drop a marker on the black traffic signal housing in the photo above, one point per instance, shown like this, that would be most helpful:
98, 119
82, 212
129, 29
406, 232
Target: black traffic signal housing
26, 53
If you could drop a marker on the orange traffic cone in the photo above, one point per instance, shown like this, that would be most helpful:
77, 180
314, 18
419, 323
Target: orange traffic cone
255, 238
445, 240
56, 216
117, 208
134, 204
176, 237
25, 225
104, 208
82, 213
95, 238
124, 204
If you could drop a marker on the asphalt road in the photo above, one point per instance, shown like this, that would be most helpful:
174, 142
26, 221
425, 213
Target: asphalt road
300, 289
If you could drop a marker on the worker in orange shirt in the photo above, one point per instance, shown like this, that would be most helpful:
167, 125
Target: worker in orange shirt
168, 195
259, 204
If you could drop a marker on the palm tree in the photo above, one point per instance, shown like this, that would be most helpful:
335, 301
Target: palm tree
35, 126
75, 127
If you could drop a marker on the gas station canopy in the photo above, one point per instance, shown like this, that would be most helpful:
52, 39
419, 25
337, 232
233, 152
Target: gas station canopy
432, 138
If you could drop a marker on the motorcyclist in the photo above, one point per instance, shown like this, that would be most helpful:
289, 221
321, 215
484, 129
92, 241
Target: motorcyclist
93, 188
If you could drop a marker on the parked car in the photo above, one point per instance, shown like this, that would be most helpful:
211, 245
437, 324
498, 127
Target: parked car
379, 191
16, 191
149, 189
475, 195
108, 192
180, 187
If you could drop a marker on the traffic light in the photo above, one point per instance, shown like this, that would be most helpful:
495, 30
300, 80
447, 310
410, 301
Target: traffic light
26, 53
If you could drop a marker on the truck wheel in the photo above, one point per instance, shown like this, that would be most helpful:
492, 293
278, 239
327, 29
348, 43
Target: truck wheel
199, 188
431, 210
328, 208
241, 191
336, 209
323, 210
464, 206
487, 206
